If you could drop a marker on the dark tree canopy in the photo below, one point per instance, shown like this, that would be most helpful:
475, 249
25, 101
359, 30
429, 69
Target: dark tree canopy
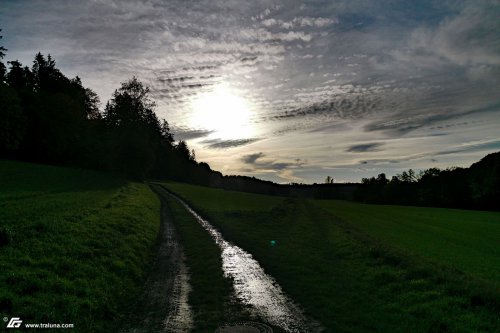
476, 187
131, 105
13, 123
2, 49
47, 117
2, 66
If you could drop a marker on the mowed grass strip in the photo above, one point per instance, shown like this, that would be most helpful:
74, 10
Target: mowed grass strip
349, 281
75, 245
210, 296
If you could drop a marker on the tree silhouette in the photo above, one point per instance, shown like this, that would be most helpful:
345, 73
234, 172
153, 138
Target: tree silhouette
18, 77
11, 117
12, 120
2, 49
166, 135
3, 70
131, 104
135, 128
183, 149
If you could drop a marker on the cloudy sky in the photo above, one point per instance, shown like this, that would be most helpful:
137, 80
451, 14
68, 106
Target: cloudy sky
289, 90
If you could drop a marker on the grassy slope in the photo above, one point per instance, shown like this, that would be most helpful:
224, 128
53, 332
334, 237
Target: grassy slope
340, 274
76, 244
210, 294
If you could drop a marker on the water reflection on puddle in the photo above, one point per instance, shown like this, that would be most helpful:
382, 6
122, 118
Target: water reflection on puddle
253, 287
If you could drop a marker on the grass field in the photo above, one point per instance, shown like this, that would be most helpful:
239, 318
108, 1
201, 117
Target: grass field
359, 268
74, 245
466, 240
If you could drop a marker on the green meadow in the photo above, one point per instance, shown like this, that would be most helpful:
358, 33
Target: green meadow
462, 239
75, 245
359, 268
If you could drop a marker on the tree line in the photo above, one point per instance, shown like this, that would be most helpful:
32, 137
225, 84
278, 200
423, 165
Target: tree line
477, 187
47, 117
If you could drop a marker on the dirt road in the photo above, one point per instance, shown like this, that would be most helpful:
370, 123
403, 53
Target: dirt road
259, 292
163, 306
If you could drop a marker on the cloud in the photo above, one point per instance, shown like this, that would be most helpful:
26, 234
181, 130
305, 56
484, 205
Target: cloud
223, 144
485, 145
365, 147
264, 35
401, 123
189, 134
260, 162
469, 38
252, 158
456, 149
346, 71
382, 161
314, 21
318, 22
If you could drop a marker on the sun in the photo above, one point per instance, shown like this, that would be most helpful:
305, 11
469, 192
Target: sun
224, 112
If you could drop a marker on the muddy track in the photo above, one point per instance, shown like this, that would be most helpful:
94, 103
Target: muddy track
163, 305
260, 294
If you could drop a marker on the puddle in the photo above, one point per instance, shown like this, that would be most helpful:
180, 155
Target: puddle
254, 288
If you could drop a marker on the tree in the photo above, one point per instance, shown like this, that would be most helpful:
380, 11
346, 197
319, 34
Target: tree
329, 180
136, 131
92, 103
412, 176
11, 114
183, 149
12, 119
429, 174
18, 77
166, 135
3, 69
2, 49
382, 179
131, 104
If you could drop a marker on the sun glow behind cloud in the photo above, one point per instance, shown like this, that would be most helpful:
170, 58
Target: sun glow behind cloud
223, 112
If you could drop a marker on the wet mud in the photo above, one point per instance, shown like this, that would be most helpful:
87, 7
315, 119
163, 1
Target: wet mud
259, 292
163, 305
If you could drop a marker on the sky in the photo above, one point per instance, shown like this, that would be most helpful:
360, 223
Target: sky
289, 91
